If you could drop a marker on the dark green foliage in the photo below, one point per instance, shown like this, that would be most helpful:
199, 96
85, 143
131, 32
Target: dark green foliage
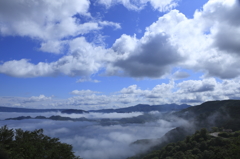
201, 146
223, 134
54, 117
210, 115
214, 114
215, 129
21, 144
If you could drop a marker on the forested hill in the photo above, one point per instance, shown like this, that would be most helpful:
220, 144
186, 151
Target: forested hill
201, 145
228, 106
223, 114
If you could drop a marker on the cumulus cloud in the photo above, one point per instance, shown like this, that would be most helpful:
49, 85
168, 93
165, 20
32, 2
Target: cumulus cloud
209, 40
180, 75
23, 18
53, 46
107, 23
88, 99
91, 101
24, 102
87, 80
162, 6
130, 90
49, 22
161, 93
37, 99
191, 92
83, 92
207, 43
151, 56
198, 85
220, 19
82, 61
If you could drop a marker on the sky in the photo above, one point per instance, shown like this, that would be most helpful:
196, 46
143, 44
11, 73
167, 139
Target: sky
95, 54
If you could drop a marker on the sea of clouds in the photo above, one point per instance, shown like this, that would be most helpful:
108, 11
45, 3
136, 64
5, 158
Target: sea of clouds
90, 140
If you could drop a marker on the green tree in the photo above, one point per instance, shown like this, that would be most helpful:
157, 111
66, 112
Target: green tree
32, 145
215, 129
6, 136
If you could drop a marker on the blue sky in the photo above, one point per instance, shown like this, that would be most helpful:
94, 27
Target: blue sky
87, 54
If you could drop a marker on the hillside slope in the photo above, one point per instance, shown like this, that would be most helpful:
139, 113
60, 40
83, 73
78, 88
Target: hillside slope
223, 114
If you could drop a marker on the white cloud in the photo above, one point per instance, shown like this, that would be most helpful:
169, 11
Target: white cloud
130, 90
220, 18
162, 6
207, 43
102, 115
39, 19
85, 115
87, 80
23, 68
180, 75
49, 21
92, 141
126, 3
187, 92
83, 92
162, 93
53, 46
30, 102
207, 89
84, 59
107, 23
88, 101
125, 45
37, 98
151, 56
191, 86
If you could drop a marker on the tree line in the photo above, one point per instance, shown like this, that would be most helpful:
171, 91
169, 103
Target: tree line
201, 145
20, 144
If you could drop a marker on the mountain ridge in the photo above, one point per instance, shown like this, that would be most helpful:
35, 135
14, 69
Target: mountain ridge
144, 108
222, 114
136, 108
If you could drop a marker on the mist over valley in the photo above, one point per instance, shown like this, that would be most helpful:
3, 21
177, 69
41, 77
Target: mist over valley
121, 135
100, 135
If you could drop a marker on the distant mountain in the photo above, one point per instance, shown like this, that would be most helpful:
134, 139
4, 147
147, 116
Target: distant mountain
137, 108
54, 117
146, 117
74, 111
29, 110
145, 108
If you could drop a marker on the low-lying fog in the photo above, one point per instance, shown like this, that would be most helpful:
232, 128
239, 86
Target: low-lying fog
86, 115
90, 140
